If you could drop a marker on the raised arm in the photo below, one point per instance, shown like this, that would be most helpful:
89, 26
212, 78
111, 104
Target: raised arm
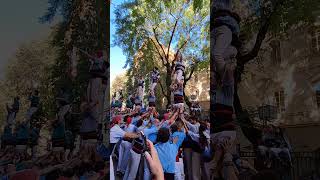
192, 127
173, 117
87, 54
194, 136
184, 123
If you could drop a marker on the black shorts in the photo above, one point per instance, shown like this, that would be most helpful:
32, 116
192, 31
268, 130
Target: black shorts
89, 135
58, 142
152, 104
178, 99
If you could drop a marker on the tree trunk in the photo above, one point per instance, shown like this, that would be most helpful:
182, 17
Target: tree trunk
168, 83
250, 132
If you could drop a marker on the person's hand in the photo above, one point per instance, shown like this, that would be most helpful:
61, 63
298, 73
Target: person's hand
154, 162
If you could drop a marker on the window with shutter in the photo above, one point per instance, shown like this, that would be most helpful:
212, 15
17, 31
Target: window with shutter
280, 100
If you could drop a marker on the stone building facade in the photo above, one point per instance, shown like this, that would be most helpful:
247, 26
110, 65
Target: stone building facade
199, 86
286, 74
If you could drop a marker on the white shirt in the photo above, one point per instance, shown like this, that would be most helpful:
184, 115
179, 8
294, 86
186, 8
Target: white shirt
193, 127
116, 134
131, 128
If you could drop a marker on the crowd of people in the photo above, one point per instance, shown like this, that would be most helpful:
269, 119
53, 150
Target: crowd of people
179, 140
71, 153
180, 137
274, 146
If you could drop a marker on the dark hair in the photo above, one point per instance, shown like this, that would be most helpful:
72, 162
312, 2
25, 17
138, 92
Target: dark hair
179, 123
202, 138
193, 118
53, 175
163, 135
135, 115
36, 92
236, 17
84, 167
125, 119
174, 128
100, 165
139, 123
69, 172
161, 117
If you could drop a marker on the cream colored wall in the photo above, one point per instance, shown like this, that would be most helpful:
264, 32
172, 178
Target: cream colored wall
200, 88
296, 74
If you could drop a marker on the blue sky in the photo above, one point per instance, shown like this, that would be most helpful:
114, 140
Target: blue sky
117, 58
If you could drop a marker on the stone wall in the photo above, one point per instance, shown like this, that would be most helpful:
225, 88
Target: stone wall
294, 73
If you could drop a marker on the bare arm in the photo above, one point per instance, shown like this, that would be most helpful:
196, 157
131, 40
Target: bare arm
184, 123
87, 54
173, 117
130, 135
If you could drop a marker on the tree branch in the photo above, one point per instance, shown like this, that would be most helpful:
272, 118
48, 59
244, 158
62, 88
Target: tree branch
161, 57
243, 59
191, 72
172, 15
184, 43
186, 99
156, 37
162, 90
172, 34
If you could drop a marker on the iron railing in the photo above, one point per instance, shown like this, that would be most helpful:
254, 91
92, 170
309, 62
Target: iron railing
305, 165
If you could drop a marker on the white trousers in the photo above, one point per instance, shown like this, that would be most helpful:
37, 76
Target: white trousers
179, 76
124, 155
179, 171
95, 94
153, 86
